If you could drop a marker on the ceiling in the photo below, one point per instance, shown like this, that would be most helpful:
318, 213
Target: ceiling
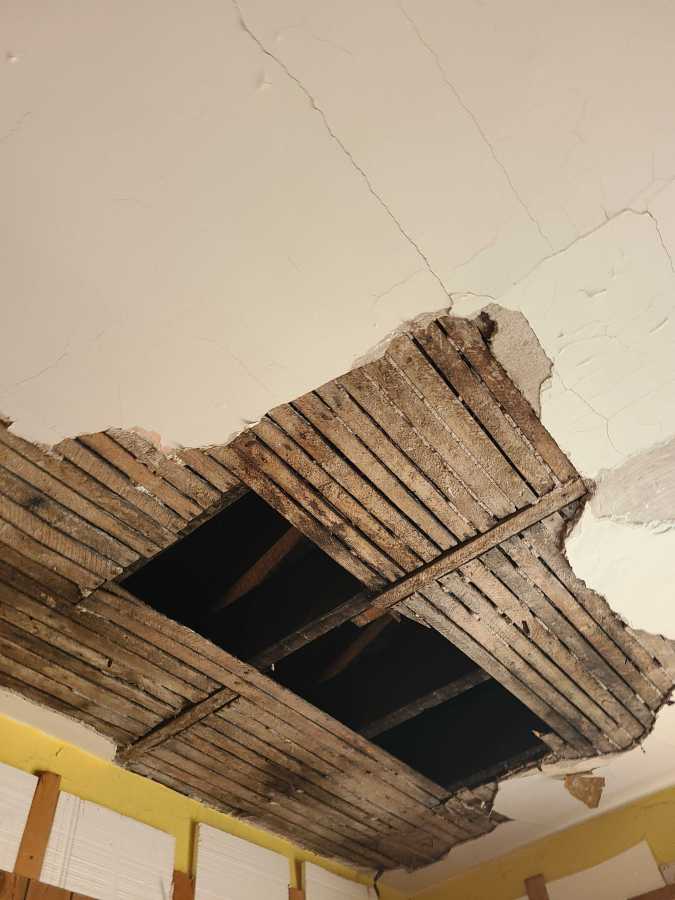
208, 215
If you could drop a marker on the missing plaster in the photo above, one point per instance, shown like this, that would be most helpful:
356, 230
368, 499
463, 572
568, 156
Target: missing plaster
587, 788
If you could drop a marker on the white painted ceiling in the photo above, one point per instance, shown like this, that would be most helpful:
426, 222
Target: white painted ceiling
208, 209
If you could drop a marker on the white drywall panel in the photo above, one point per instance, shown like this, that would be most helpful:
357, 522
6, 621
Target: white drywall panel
102, 854
627, 875
229, 868
323, 885
16, 793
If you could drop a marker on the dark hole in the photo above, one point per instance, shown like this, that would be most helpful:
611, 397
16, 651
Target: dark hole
394, 689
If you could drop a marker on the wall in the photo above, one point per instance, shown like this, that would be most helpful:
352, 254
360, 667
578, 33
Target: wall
102, 782
651, 818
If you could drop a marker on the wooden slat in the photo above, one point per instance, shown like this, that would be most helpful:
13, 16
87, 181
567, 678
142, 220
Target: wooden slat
194, 489
379, 517
51, 584
296, 894
39, 891
524, 630
470, 549
535, 888
455, 417
106, 447
395, 558
169, 729
469, 341
183, 886
60, 517
210, 470
334, 430
477, 397
464, 636
591, 671
428, 701
246, 468
58, 478
35, 837
380, 407
116, 493
378, 442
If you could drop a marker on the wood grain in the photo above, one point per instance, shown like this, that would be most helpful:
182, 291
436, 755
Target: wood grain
35, 837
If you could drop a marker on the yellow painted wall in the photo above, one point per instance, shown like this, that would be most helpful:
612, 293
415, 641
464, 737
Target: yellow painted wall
91, 778
651, 818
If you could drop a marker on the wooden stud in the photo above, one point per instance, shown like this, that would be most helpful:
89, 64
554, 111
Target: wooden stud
452, 559
535, 888
12, 886
183, 886
38, 826
296, 894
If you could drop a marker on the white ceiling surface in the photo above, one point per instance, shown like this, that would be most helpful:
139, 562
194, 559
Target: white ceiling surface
203, 218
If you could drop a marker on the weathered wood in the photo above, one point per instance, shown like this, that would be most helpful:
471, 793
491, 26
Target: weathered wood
173, 501
183, 886
210, 470
188, 484
353, 649
246, 468
309, 631
51, 584
395, 558
261, 569
535, 888
352, 481
169, 729
477, 397
333, 429
463, 634
369, 395
469, 341
428, 701
60, 517
452, 559
116, 493
456, 418
58, 478
35, 837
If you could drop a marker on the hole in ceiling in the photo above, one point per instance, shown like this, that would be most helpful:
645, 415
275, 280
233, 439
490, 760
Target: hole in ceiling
256, 587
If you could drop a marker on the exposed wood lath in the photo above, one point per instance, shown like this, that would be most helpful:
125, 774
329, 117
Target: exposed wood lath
428, 477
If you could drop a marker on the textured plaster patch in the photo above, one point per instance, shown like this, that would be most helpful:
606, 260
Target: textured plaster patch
517, 348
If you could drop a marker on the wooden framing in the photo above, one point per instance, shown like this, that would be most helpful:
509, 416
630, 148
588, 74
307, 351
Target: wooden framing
535, 888
427, 476
664, 893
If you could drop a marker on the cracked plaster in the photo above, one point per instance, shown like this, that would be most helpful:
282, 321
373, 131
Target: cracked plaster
208, 215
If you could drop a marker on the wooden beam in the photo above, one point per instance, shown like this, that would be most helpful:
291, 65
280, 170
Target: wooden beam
310, 631
261, 569
428, 701
664, 893
463, 553
183, 886
12, 886
296, 894
353, 649
38, 826
171, 727
535, 888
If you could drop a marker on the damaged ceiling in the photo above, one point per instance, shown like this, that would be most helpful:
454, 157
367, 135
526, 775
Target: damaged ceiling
420, 485
207, 216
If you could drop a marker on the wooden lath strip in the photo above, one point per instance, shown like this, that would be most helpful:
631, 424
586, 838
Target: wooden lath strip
474, 393
488, 460
469, 341
38, 826
431, 606
422, 704
452, 559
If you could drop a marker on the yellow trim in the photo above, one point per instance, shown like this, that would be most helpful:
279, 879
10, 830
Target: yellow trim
91, 778
651, 818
